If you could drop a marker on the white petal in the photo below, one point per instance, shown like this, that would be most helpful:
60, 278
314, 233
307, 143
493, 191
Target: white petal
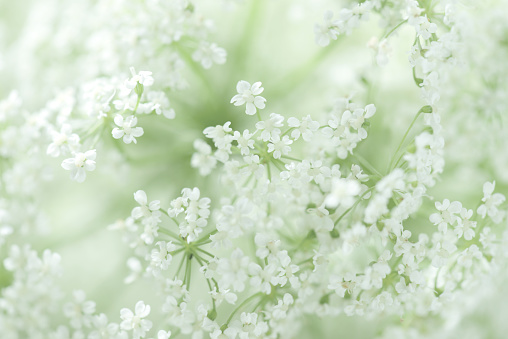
140, 197
137, 132
68, 164
259, 102
91, 154
117, 133
242, 86
250, 109
128, 139
256, 88
169, 113
79, 175
89, 165
118, 120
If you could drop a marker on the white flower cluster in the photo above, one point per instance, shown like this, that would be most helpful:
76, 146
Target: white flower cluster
101, 103
115, 34
301, 221
23, 167
348, 19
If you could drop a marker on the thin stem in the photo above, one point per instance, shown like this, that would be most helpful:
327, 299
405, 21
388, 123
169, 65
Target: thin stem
290, 158
137, 103
184, 257
171, 234
189, 264
305, 261
367, 164
354, 205
205, 252
205, 237
246, 301
289, 130
393, 30
198, 71
403, 139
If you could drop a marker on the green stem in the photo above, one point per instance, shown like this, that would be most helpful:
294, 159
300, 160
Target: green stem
289, 130
205, 237
188, 268
196, 69
290, 158
366, 164
137, 103
403, 139
354, 205
393, 30
258, 115
184, 257
205, 252
171, 234
246, 301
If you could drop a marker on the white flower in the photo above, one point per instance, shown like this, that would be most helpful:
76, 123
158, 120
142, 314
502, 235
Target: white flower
466, 257
305, 128
327, 31
343, 284
447, 214
163, 334
143, 77
79, 164
80, 310
245, 143
491, 202
127, 129
279, 146
105, 329
223, 294
209, 53
465, 225
342, 193
269, 128
203, 158
159, 103
65, 140
148, 211
135, 322
220, 135
382, 48
250, 95
161, 257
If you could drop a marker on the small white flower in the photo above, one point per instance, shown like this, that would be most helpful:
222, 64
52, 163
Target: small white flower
342, 193
245, 143
163, 334
305, 128
134, 321
466, 257
161, 257
327, 31
203, 159
491, 202
148, 211
81, 163
209, 53
447, 214
249, 95
80, 310
63, 141
127, 129
159, 103
279, 146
